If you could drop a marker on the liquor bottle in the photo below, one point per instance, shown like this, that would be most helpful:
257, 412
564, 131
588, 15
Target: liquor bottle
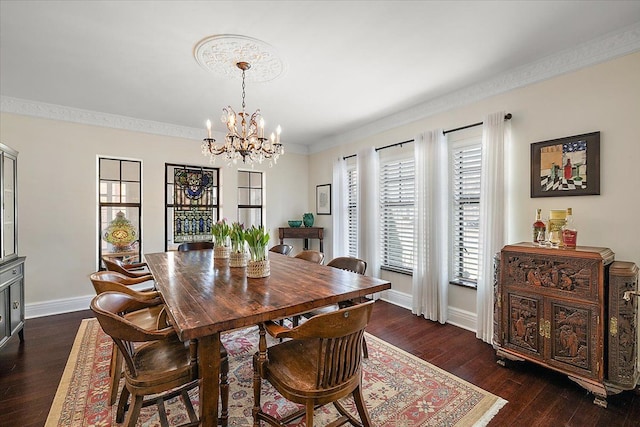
569, 232
557, 218
539, 229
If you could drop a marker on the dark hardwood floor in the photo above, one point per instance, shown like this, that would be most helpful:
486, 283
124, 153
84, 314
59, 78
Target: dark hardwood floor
30, 372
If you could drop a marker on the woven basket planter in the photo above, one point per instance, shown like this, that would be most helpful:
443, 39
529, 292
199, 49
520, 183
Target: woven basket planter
238, 259
257, 269
221, 252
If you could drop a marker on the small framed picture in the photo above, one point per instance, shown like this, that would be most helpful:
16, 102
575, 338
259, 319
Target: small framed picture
323, 199
566, 166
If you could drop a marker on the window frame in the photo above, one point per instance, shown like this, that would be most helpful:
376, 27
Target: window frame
398, 158
260, 206
352, 207
170, 244
118, 206
465, 141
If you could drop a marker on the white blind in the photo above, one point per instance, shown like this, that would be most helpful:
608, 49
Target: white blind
465, 212
397, 197
352, 209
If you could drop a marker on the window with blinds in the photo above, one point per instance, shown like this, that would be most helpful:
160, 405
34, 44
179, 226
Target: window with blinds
352, 209
397, 197
465, 213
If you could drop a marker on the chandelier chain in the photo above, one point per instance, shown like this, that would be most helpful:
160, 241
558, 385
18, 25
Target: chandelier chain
243, 105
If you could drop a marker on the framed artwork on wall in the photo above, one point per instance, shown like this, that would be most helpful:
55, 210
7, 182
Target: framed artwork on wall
566, 166
323, 199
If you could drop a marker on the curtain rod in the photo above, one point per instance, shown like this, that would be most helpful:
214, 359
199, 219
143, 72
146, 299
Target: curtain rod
382, 148
506, 117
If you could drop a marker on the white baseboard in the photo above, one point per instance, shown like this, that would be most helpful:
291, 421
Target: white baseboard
455, 316
397, 298
462, 319
49, 308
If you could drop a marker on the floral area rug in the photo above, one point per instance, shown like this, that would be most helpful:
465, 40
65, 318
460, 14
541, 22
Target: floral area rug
399, 389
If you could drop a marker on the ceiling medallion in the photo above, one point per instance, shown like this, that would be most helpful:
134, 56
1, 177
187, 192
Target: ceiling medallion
220, 54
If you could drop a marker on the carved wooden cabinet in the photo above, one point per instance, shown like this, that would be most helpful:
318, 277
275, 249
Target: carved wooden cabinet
565, 309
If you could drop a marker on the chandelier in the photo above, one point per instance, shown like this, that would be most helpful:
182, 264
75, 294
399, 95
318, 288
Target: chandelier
246, 142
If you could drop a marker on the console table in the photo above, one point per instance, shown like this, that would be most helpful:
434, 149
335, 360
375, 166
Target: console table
305, 233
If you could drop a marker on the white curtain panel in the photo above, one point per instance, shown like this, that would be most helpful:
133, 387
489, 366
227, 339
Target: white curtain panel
430, 276
339, 208
492, 216
368, 209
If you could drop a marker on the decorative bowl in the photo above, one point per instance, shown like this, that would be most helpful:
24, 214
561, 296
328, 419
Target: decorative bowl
295, 224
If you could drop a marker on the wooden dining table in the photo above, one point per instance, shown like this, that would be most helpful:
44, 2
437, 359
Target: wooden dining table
204, 297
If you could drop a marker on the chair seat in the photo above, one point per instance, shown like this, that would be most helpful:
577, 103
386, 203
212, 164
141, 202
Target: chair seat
295, 376
147, 318
161, 362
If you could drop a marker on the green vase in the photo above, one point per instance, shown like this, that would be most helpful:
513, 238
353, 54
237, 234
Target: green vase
307, 219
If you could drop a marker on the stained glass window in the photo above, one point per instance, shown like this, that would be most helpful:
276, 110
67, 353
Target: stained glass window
192, 194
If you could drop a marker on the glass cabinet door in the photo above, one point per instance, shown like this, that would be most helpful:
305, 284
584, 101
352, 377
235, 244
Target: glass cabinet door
9, 224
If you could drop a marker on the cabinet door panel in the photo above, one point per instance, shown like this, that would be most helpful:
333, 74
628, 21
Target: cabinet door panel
4, 328
15, 305
624, 328
523, 314
574, 337
9, 226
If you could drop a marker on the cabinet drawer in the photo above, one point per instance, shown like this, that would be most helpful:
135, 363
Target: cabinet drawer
11, 274
552, 274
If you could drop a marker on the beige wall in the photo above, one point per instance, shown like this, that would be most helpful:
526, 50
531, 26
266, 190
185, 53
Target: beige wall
57, 179
604, 98
57, 169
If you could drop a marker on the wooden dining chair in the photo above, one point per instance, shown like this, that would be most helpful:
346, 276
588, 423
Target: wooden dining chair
354, 265
148, 318
281, 249
107, 277
194, 246
320, 364
156, 362
312, 256
128, 270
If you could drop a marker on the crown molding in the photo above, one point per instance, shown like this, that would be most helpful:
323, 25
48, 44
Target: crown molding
605, 48
75, 115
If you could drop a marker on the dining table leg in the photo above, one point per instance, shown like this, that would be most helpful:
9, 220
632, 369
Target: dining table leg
209, 374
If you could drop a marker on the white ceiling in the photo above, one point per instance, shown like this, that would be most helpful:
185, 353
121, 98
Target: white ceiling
349, 64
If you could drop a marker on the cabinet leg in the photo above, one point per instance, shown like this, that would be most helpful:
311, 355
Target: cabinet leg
21, 335
600, 401
502, 362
